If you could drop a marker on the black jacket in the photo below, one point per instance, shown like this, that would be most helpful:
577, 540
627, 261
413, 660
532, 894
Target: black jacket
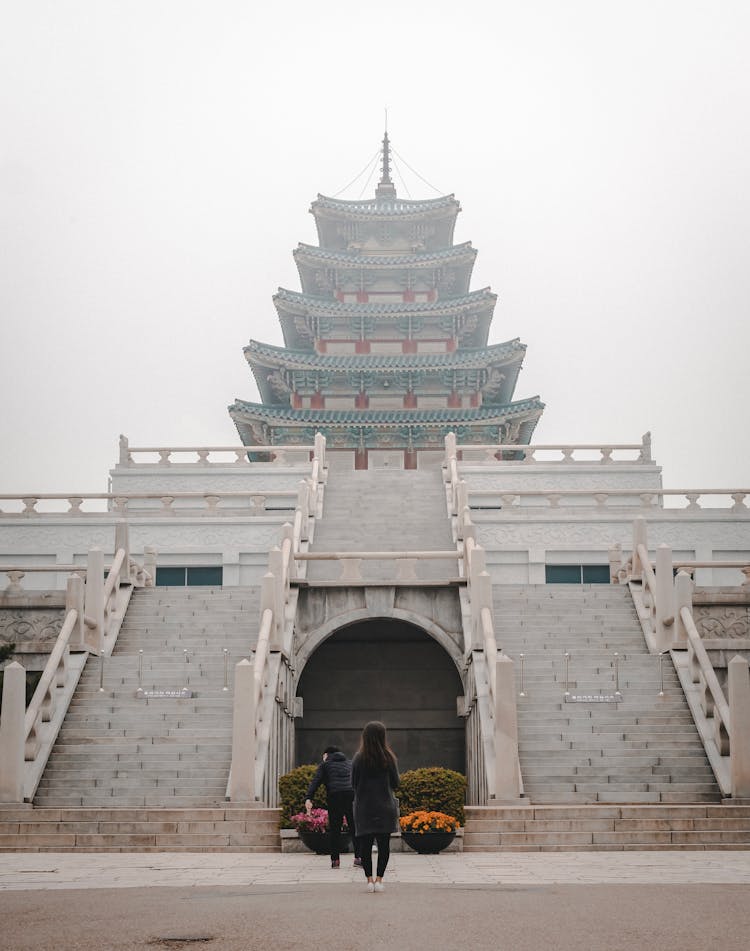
335, 774
375, 805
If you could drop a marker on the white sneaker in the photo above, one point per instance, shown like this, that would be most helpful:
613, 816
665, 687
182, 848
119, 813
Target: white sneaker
371, 886
379, 887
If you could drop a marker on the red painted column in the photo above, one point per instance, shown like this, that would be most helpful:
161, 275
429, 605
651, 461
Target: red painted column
361, 401
360, 459
454, 400
410, 458
317, 400
409, 346
296, 401
410, 400
362, 346
474, 399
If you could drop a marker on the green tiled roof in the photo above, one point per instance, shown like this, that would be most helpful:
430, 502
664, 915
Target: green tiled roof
386, 207
327, 306
459, 359
315, 254
384, 417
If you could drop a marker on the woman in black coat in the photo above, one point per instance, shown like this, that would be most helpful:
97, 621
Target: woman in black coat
374, 778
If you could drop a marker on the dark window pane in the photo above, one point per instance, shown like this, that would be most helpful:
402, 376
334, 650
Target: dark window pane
205, 576
595, 574
170, 576
563, 574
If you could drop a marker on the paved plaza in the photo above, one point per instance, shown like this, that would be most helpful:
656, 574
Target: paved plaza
50, 870
605, 901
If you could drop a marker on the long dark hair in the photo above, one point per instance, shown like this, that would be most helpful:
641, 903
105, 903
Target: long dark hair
373, 747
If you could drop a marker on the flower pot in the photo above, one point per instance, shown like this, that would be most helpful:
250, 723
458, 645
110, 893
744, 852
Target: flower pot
428, 843
320, 842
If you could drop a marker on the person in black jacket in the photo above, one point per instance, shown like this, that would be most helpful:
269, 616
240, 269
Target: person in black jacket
335, 773
375, 779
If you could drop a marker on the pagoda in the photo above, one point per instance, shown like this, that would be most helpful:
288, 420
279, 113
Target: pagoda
386, 344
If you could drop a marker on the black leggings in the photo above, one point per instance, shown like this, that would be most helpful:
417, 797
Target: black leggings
365, 852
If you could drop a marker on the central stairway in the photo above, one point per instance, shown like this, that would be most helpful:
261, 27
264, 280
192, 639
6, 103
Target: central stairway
384, 510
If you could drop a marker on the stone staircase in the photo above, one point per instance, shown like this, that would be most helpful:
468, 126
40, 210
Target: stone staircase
227, 829
643, 749
384, 510
115, 750
627, 775
606, 828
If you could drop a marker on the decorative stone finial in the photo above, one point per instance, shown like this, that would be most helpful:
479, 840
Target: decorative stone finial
386, 188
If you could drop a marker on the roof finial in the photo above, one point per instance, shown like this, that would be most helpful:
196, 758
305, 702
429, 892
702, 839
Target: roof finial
386, 188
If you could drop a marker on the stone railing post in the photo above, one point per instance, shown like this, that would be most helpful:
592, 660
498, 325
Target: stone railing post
94, 600
122, 540
640, 537
242, 776
74, 601
615, 563
507, 773
481, 597
320, 452
303, 504
450, 447
12, 739
124, 451
149, 564
683, 598
739, 726
646, 448
664, 598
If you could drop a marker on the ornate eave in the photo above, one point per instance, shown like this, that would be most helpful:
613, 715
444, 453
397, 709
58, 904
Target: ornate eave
278, 371
429, 223
260, 425
304, 318
453, 256
399, 208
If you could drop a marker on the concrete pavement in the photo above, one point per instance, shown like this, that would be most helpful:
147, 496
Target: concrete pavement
673, 901
51, 870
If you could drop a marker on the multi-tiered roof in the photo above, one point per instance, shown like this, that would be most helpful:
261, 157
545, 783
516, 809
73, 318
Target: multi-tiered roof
386, 345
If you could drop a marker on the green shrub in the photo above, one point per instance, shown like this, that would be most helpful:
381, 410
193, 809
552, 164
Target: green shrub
292, 789
433, 789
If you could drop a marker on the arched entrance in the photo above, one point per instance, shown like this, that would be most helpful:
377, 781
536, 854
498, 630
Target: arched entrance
389, 670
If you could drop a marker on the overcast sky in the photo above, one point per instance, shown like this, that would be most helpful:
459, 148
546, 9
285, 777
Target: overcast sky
158, 159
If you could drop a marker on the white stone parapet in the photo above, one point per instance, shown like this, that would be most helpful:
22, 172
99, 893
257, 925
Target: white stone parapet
515, 499
236, 455
556, 452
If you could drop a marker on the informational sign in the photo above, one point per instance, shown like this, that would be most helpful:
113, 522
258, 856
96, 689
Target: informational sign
178, 693
593, 697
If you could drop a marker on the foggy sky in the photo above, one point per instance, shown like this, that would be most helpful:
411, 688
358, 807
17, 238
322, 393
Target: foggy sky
158, 159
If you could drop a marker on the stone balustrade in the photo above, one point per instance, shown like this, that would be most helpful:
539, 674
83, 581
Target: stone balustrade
515, 500
264, 686
211, 503
554, 453
209, 455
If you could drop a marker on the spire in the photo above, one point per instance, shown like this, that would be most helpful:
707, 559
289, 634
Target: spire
386, 188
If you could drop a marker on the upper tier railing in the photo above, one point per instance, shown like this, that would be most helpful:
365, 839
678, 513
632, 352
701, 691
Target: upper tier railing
119, 503
551, 453
209, 455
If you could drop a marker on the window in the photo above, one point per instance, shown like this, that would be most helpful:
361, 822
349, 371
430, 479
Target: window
189, 576
576, 574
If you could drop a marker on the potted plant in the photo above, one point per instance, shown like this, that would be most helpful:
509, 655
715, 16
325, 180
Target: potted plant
428, 832
312, 828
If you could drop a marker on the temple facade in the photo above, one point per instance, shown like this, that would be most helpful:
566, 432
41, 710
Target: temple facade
386, 345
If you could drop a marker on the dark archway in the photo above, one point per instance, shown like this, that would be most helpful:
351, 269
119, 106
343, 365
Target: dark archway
386, 670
